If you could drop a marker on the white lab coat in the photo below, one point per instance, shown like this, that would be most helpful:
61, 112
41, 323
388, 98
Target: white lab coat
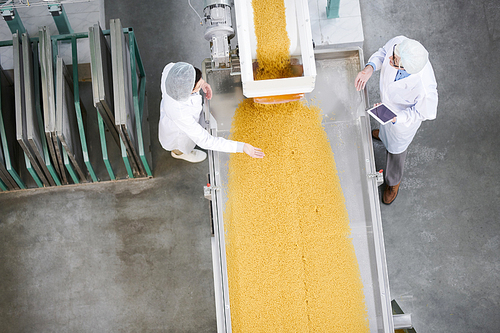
414, 99
179, 126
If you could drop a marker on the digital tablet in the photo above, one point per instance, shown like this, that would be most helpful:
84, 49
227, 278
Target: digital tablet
381, 113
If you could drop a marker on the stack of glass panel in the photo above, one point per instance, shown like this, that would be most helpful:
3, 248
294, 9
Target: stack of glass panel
123, 97
27, 119
48, 98
66, 123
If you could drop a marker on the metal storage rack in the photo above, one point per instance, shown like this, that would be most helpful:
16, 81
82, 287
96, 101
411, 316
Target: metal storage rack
50, 117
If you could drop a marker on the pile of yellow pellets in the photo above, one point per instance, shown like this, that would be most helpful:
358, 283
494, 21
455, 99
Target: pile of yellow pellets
272, 40
290, 259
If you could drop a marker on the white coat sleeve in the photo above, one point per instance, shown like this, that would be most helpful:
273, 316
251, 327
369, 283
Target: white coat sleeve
377, 58
206, 141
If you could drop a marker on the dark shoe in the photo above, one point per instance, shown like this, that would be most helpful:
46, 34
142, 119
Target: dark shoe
390, 194
375, 134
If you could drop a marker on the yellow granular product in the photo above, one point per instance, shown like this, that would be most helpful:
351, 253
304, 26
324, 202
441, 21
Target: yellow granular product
291, 264
273, 43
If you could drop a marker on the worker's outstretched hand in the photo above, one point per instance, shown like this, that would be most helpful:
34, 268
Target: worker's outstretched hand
207, 90
363, 77
252, 151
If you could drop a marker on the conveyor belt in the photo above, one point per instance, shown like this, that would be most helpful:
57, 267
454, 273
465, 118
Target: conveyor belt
348, 130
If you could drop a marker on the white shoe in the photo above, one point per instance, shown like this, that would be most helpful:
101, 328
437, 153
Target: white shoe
195, 156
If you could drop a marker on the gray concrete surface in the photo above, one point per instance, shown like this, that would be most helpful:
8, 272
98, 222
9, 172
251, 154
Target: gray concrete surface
134, 256
116, 257
443, 231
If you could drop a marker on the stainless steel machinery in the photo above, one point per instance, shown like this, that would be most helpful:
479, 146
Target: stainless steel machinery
219, 30
348, 129
329, 82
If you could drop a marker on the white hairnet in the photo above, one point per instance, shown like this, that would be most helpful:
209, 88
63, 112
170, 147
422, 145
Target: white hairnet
413, 55
180, 81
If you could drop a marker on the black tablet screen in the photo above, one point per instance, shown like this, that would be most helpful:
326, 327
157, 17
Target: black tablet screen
383, 113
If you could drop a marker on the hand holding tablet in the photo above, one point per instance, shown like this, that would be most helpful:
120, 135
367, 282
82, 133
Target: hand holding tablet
382, 113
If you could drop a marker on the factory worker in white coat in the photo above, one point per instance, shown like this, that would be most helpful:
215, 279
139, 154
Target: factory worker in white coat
408, 87
179, 130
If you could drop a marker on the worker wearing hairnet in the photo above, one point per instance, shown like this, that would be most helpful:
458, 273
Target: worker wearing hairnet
407, 87
181, 105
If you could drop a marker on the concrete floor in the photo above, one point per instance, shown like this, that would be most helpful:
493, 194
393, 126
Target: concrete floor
134, 256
